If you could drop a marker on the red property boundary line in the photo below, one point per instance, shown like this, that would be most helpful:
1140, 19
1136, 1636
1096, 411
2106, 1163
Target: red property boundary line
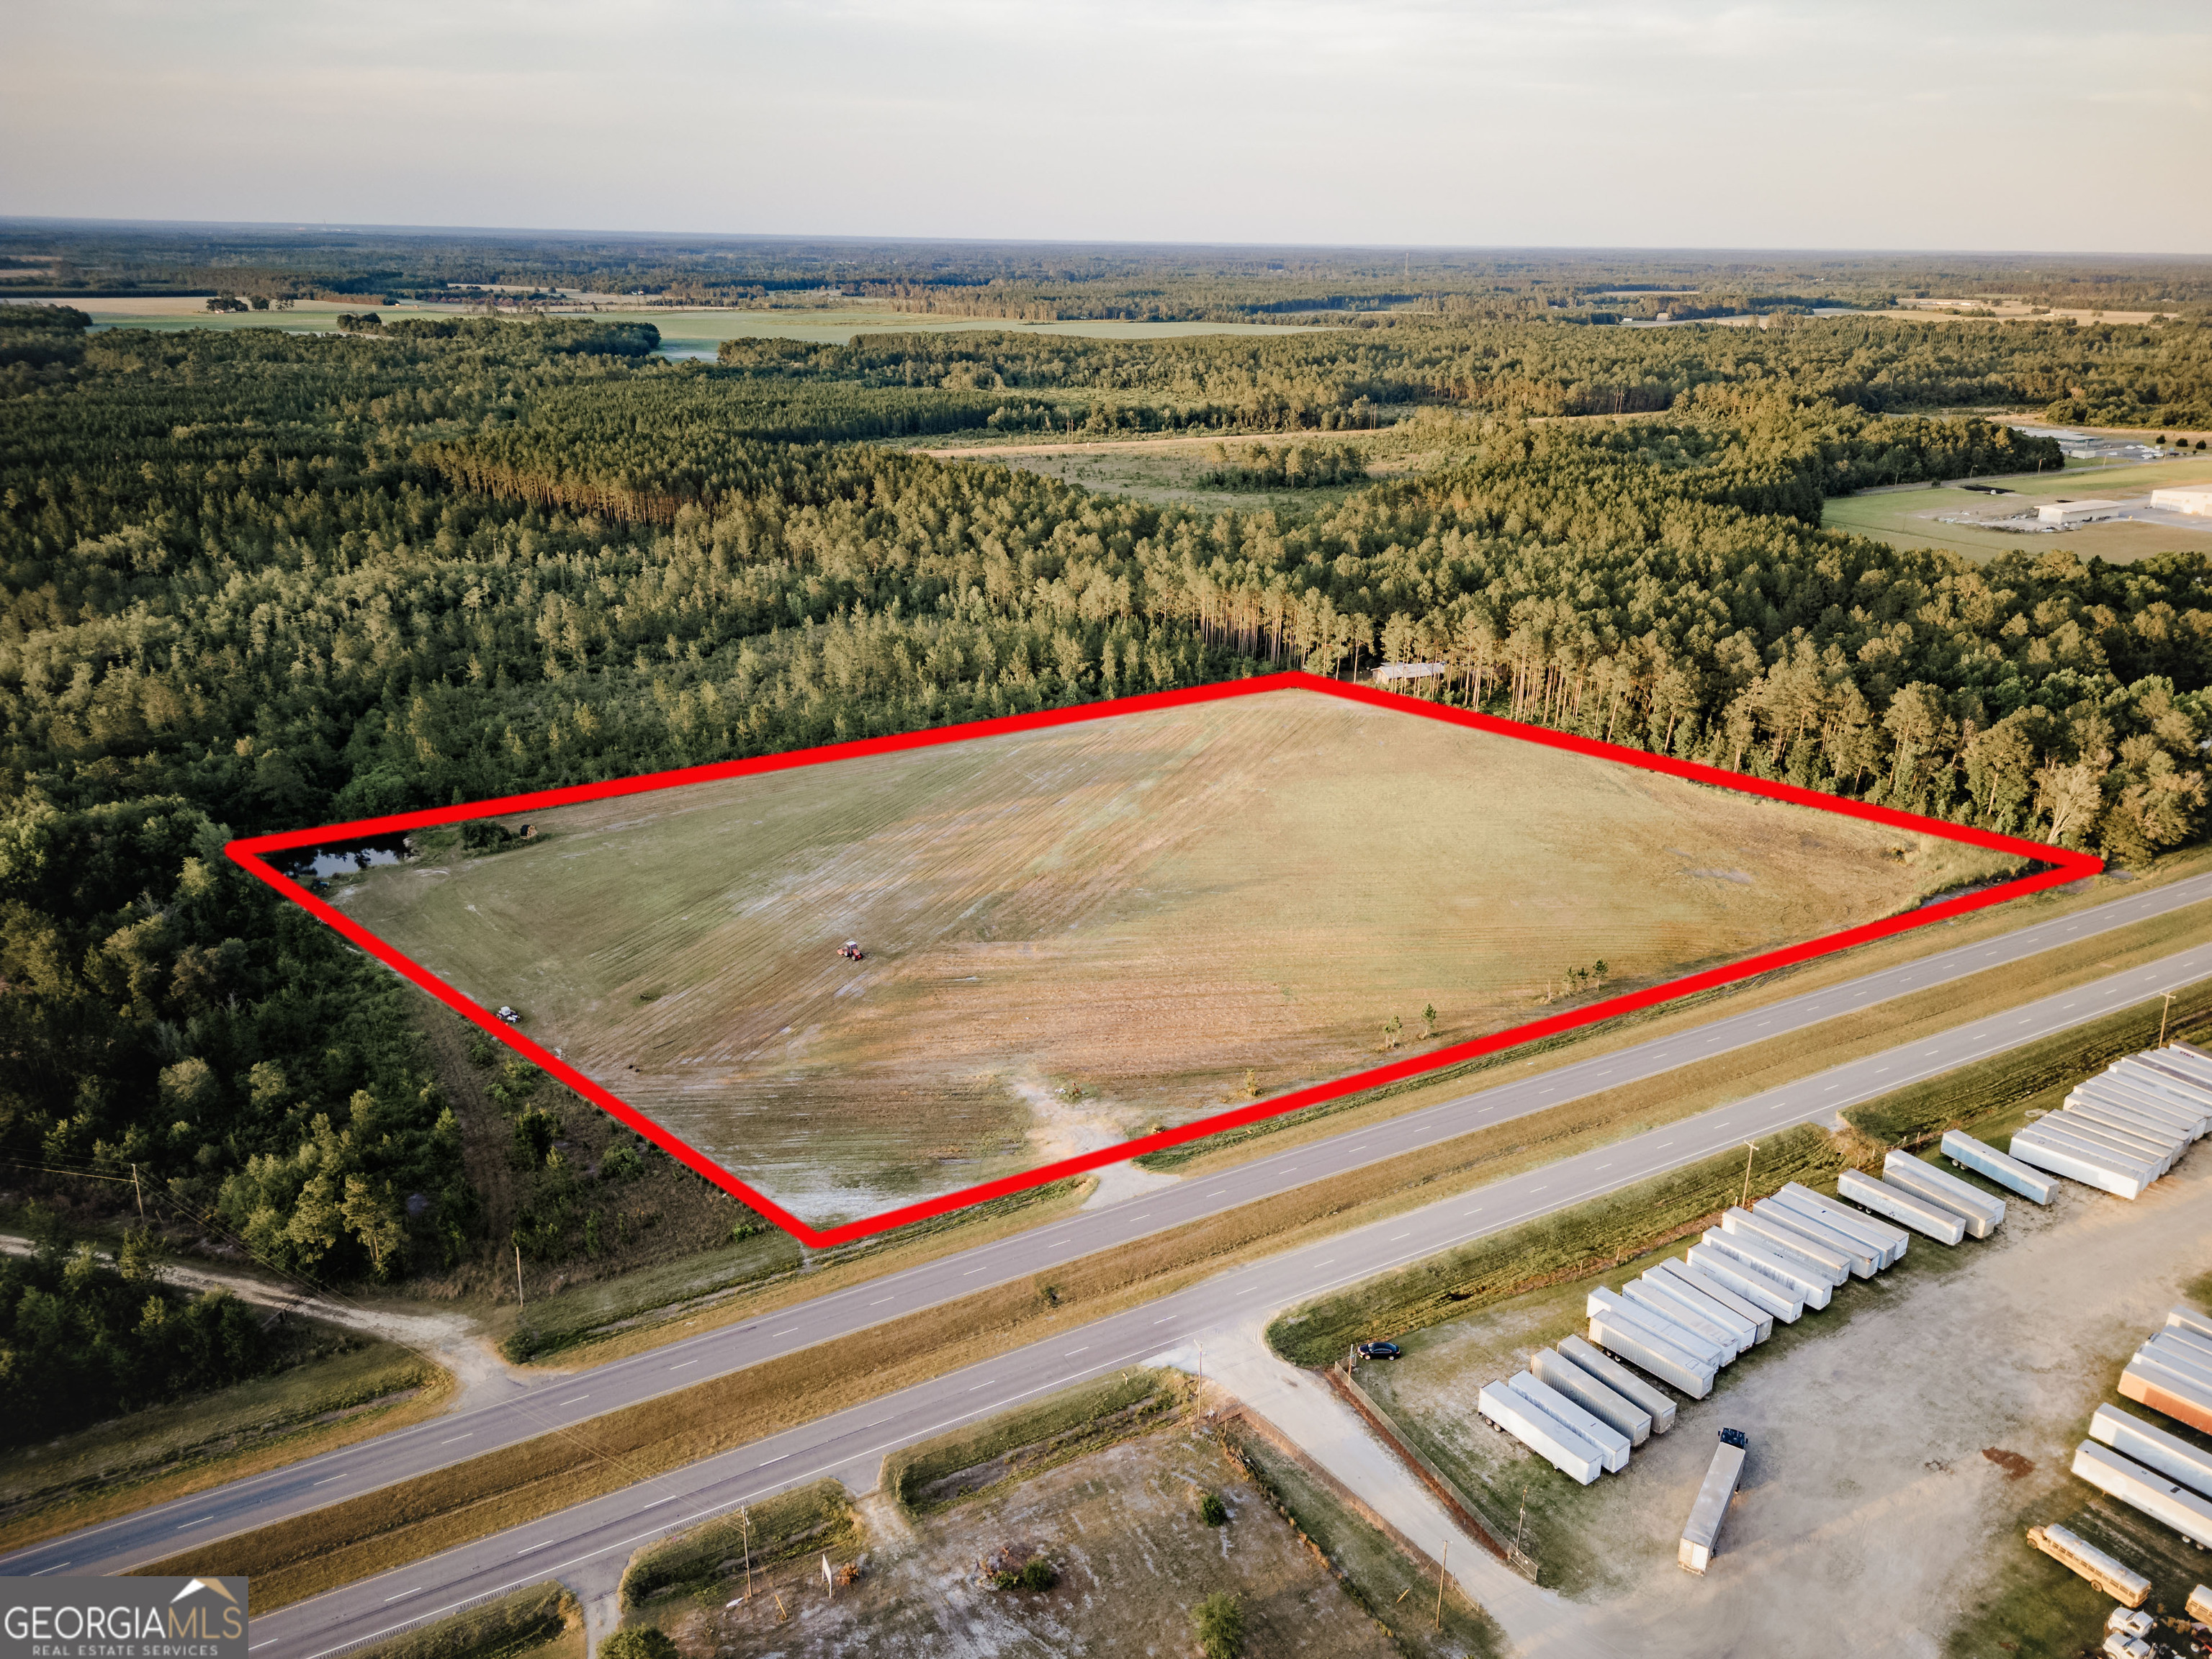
251, 854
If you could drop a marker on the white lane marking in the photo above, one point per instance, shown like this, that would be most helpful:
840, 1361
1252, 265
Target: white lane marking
1394, 1240
1169, 1320
327, 1480
686, 1365
403, 1596
189, 1524
880, 1301
1072, 1352
793, 1331
43, 1571
451, 1438
658, 1501
577, 1401
970, 1273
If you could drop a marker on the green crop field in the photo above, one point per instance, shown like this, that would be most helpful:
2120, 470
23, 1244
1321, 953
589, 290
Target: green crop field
1072, 934
1915, 517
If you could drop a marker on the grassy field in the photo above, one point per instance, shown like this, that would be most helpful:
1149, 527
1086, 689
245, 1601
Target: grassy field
1074, 934
1913, 518
683, 333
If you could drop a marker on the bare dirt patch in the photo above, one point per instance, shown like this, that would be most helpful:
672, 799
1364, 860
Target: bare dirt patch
1122, 1529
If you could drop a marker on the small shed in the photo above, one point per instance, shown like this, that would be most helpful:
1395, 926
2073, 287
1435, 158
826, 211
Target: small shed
1391, 673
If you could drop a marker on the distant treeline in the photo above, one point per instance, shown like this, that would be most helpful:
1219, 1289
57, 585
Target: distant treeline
1037, 282
2130, 376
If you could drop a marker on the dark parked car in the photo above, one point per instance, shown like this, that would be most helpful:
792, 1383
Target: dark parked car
1379, 1351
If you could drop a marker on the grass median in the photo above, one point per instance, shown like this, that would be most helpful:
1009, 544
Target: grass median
416, 1517
812, 1517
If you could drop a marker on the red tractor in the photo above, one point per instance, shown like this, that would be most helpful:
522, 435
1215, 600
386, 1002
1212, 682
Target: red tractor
851, 951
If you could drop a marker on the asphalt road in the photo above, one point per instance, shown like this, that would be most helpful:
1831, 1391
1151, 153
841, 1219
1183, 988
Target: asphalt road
850, 1442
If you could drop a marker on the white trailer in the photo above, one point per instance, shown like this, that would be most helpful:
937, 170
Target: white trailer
2152, 1448
2100, 1129
1709, 1354
1701, 1538
1728, 1340
2156, 1092
1761, 1322
1983, 1214
2182, 1317
1565, 1451
1906, 1209
1890, 1242
1611, 1444
1649, 1353
2159, 1074
1806, 1280
2169, 1117
2177, 1355
1556, 1371
2076, 1163
1747, 1281
2163, 1141
1984, 1159
1780, 1235
1621, 1380
2184, 1341
2145, 1490
1863, 1259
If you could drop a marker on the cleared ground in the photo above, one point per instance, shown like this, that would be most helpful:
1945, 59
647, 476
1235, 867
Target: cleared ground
1120, 1526
1072, 935
1901, 1441
1917, 517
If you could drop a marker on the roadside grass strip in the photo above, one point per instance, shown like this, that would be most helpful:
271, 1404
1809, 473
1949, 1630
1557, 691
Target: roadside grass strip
936, 1473
817, 1517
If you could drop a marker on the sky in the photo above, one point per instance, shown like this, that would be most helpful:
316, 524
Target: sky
1940, 124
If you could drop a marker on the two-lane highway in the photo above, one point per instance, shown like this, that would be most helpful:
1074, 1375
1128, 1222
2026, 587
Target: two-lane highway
568, 1402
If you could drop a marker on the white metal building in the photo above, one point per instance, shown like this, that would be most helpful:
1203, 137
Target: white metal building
2183, 501
2072, 513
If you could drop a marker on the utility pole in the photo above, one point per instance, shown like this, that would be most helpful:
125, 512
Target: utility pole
2162, 1015
518, 1278
141, 1192
1441, 1560
1750, 1147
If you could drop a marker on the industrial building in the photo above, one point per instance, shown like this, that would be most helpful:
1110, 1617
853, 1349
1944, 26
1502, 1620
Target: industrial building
2197, 500
2065, 514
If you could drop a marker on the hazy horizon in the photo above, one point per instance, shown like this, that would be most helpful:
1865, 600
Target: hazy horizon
1697, 126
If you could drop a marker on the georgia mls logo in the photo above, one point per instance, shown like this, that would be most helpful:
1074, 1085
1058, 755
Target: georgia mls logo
123, 1619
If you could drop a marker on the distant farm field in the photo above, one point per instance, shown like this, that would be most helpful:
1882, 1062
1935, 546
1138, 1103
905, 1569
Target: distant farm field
1072, 935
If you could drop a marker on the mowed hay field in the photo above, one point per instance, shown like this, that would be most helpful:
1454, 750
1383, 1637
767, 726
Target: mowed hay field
1073, 934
